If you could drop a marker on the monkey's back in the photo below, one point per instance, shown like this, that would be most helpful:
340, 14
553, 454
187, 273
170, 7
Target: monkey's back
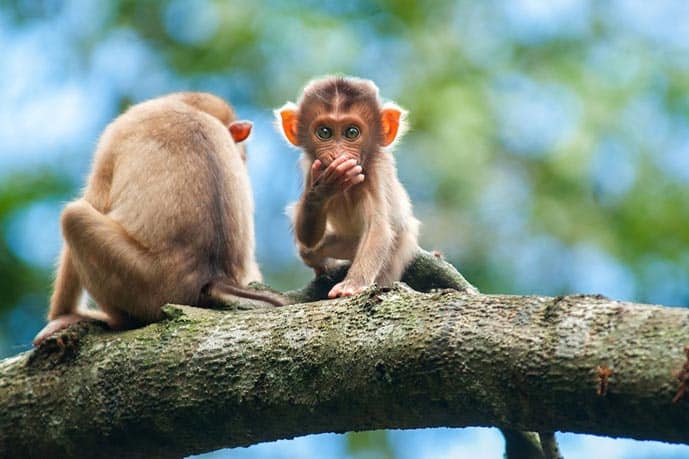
179, 188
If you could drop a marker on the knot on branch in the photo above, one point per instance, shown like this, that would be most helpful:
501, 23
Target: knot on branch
604, 374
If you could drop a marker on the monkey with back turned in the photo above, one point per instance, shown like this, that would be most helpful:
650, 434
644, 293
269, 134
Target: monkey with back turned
166, 217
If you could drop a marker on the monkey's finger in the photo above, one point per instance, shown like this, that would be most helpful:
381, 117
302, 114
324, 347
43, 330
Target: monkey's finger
354, 171
337, 167
315, 171
353, 181
344, 167
335, 292
349, 164
357, 179
336, 163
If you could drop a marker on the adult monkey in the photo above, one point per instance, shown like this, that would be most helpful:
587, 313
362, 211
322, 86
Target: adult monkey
166, 217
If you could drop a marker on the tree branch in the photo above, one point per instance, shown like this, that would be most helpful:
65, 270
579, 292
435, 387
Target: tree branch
549, 445
386, 359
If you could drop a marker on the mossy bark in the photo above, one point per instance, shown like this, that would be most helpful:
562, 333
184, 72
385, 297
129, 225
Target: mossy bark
398, 358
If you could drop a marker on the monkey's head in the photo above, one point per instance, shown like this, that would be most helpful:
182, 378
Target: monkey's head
218, 108
340, 116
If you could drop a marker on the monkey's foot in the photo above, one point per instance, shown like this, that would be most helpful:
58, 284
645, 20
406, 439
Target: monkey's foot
55, 326
347, 288
329, 265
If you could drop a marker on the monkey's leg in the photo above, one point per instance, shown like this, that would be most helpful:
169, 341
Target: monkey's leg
404, 250
111, 266
340, 247
329, 253
67, 289
100, 245
64, 302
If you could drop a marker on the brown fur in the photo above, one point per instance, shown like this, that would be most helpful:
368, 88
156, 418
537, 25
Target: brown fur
166, 213
371, 221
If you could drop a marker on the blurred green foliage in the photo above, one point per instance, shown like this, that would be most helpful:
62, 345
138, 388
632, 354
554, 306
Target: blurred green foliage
17, 277
369, 445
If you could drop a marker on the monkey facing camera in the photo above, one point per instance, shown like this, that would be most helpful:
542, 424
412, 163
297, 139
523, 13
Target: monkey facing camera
353, 206
166, 217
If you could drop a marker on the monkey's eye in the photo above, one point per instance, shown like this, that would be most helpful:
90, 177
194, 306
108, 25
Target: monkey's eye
324, 132
352, 132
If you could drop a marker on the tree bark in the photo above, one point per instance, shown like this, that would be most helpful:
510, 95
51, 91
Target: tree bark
387, 359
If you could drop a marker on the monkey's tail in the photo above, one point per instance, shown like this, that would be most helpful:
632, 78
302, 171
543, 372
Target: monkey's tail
219, 290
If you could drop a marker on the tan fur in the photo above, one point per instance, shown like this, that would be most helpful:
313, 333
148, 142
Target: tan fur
167, 210
371, 222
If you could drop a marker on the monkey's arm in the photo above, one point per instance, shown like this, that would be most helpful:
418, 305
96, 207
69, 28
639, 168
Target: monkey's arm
310, 218
322, 185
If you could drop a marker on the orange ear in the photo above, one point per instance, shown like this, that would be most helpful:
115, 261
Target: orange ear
288, 122
240, 130
390, 120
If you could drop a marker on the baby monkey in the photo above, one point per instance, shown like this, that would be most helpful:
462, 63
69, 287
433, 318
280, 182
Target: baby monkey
353, 206
166, 217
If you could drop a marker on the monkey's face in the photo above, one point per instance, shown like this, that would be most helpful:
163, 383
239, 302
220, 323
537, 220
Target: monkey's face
340, 117
329, 137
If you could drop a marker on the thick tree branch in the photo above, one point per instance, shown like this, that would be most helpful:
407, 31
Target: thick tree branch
398, 359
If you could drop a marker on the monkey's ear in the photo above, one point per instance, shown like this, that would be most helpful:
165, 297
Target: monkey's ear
240, 130
287, 119
393, 122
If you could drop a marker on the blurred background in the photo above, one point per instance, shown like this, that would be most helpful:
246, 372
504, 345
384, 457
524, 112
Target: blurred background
549, 149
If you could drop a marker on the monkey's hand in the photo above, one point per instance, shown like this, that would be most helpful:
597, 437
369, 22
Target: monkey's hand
347, 287
339, 176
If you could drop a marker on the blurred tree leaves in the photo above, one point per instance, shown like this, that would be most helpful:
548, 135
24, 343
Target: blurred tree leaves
374, 444
17, 278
